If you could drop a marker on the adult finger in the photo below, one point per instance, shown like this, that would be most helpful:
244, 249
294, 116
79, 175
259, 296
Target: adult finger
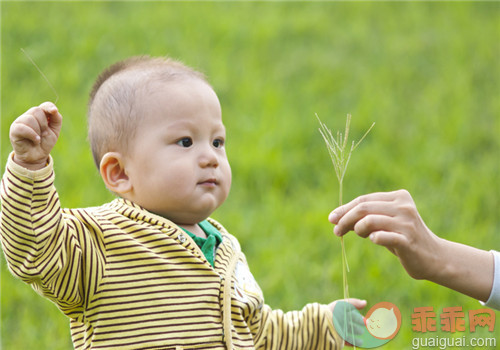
376, 222
339, 212
390, 240
361, 211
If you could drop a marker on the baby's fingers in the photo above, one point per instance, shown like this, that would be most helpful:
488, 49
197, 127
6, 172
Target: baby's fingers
26, 127
357, 303
34, 118
49, 107
54, 118
21, 132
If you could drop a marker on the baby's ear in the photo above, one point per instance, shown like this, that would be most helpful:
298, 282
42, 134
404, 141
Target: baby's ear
113, 173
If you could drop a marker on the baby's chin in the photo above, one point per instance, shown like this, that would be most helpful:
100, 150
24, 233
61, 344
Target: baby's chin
190, 209
186, 219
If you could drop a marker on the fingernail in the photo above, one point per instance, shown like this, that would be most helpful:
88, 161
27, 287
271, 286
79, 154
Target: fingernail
333, 217
336, 230
372, 237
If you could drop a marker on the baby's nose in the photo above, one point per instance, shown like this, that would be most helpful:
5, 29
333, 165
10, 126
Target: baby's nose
208, 158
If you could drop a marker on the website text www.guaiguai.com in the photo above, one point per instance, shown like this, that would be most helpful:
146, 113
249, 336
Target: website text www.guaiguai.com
449, 342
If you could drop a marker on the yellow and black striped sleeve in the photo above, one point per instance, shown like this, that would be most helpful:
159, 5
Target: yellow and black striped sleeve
44, 247
309, 328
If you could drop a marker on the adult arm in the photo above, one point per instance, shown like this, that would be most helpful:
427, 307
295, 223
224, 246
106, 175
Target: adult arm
391, 219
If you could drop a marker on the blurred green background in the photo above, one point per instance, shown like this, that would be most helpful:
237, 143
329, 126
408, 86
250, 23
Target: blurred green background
427, 73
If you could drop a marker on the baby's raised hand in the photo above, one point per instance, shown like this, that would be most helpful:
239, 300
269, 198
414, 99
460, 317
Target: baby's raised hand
34, 134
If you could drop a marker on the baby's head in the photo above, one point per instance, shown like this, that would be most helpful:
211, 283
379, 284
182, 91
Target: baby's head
157, 137
113, 114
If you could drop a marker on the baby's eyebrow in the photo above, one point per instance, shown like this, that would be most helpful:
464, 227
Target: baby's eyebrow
177, 126
181, 123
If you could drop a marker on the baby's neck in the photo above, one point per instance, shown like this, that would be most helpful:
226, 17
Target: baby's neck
195, 229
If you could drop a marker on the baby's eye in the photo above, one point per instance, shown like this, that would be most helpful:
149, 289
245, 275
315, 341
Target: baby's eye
218, 143
185, 142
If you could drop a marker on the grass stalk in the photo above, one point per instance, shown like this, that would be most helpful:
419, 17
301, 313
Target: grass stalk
340, 154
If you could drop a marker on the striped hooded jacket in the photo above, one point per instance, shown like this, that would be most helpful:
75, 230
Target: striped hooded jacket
129, 279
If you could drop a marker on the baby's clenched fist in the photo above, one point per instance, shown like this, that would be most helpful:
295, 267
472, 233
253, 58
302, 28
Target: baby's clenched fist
34, 134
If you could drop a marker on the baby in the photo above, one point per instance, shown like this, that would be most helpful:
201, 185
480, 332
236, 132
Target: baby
150, 270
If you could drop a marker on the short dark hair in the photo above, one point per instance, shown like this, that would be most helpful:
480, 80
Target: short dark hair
111, 116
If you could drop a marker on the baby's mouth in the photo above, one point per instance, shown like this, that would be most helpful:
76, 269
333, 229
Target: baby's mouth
209, 182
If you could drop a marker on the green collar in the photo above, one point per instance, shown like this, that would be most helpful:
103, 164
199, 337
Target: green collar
209, 244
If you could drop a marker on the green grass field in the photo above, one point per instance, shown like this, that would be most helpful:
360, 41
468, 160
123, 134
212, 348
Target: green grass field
427, 73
